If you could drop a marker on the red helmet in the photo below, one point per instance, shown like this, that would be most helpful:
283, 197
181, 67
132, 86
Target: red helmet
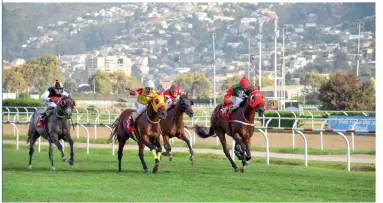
244, 83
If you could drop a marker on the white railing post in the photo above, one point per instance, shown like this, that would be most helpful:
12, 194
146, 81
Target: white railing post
108, 114
78, 126
17, 115
87, 115
87, 138
364, 114
97, 121
39, 144
8, 113
190, 137
279, 119
26, 110
232, 150
321, 134
352, 135
266, 146
113, 138
348, 151
305, 140
16, 133
312, 121
345, 113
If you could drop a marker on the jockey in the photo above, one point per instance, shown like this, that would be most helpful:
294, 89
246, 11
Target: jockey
172, 94
238, 92
49, 98
144, 95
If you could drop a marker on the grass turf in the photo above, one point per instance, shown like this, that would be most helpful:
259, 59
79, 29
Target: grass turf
94, 177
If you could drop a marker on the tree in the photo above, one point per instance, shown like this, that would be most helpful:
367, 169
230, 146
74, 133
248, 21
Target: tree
366, 97
120, 81
230, 81
102, 81
312, 81
289, 79
340, 61
340, 92
194, 81
41, 72
70, 85
13, 81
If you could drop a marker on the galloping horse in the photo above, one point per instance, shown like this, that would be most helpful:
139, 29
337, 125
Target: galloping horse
240, 127
173, 125
58, 128
147, 133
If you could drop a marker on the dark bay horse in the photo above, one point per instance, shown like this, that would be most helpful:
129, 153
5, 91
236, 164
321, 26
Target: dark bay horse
147, 131
173, 125
240, 127
58, 128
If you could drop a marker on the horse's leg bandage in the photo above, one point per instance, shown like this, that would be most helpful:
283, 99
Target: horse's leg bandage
154, 152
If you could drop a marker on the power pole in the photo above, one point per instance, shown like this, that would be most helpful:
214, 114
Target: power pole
283, 64
260, 57
275, 56
215, 102
248, 63
358, 23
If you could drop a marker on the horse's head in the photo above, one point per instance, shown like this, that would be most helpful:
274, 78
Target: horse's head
186, 105
256, 101
159, 106
66, 105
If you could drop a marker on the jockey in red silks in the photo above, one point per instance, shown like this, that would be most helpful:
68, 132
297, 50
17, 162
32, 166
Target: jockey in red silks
237, 94
172, 95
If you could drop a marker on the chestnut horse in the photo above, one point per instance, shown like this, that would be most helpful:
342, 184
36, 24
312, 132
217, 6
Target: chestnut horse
173, 125
147, 131
240, 127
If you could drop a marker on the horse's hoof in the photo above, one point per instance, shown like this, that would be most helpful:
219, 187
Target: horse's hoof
236, 169
71, 161
53, 168
170, 158
29, 166
64, 159
191, 158
146, 170
242, 169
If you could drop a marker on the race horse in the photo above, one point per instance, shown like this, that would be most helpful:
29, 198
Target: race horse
239, 126
56, 128
146, 131
173, 125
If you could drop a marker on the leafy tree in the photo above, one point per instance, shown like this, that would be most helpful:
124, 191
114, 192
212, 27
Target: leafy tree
70, 85
289, 79
340, 61
342, 92
102, 81
366, 97
120, 81
13, 81
230, 81
312, 81
41, 72
196, 81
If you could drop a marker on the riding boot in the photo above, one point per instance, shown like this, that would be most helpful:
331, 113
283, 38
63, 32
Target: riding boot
46, 114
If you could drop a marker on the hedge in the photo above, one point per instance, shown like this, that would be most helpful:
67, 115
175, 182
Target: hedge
24, 102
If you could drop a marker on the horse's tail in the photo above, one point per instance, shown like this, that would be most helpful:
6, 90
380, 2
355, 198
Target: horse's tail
114, 132
201, 132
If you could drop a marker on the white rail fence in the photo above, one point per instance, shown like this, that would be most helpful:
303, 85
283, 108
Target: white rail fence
262, 129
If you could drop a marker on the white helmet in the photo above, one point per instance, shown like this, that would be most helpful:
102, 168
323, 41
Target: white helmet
150, 84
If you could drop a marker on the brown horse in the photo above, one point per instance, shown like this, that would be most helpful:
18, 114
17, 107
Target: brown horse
240, 127
147, 131
173, 125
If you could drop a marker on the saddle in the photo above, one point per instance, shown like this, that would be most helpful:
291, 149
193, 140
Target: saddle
225, 114
41, 124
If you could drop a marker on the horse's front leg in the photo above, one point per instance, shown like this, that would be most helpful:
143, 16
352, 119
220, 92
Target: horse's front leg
242, 150
141, 147
70, 141
183, 137
248, 147
55, 140
167, 146
51, 155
